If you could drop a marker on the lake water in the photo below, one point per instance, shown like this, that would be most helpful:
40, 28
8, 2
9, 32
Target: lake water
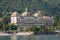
5, 38
33, 37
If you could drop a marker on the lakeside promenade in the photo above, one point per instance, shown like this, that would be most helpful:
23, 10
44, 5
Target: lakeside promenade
19, 33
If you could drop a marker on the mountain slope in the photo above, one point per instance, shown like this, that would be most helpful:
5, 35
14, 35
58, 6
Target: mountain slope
48, 7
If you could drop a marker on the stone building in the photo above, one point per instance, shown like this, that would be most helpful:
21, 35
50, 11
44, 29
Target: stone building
26, 20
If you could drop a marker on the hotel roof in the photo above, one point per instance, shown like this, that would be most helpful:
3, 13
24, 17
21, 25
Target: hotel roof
14, 14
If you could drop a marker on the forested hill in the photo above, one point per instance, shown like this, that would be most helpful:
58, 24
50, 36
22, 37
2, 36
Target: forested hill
48, 7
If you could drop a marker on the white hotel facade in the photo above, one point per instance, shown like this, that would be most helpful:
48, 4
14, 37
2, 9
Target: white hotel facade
26, 20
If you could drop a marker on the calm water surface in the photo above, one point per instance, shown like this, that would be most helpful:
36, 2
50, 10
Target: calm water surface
5, 38
33, 37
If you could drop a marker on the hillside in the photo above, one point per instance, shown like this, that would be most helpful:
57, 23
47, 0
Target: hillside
48, 7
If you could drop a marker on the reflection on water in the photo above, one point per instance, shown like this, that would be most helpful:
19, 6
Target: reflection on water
33, 37
13, 37
39, 37
5, 38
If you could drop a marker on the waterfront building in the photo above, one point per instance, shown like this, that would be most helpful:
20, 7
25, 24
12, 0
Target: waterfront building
27, 19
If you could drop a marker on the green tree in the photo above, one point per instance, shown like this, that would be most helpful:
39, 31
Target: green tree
12, 27
51, 28
41, 28
1, 24
6, 19
33, 28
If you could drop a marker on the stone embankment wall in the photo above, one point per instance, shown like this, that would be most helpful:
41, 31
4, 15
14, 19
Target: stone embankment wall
25, 33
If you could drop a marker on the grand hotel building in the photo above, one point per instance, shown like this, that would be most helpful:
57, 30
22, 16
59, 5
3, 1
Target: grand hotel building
25, 19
